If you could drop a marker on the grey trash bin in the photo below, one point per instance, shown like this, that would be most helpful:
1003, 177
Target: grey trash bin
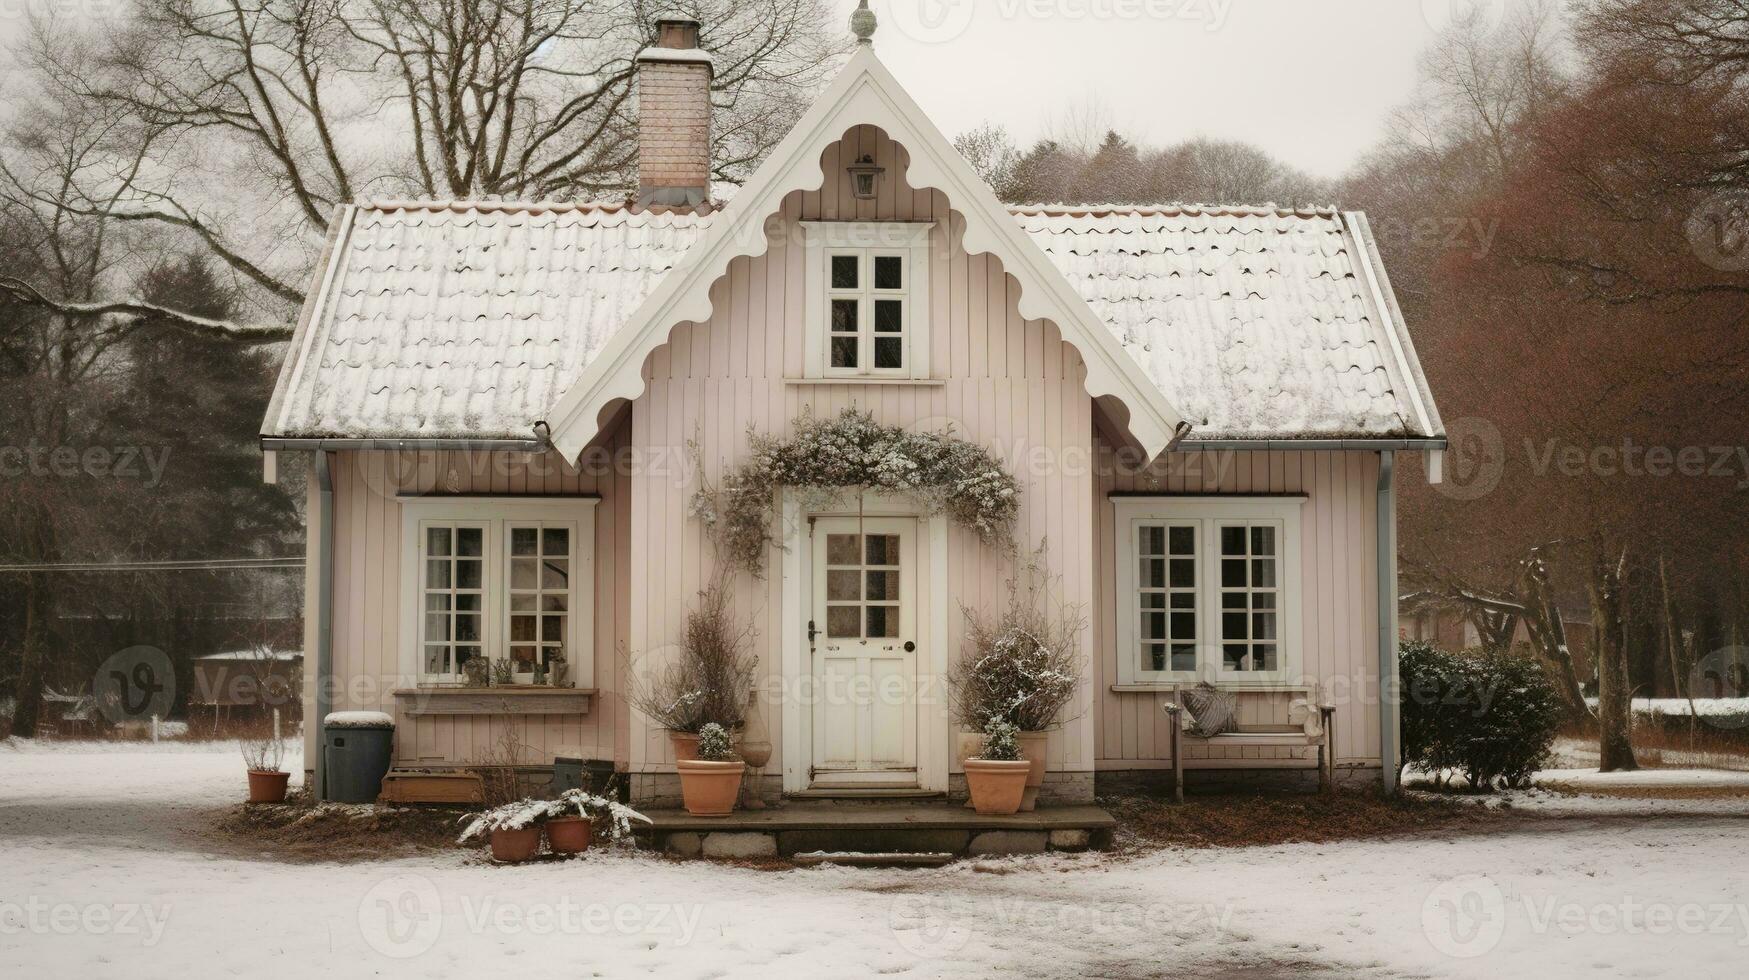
357, 747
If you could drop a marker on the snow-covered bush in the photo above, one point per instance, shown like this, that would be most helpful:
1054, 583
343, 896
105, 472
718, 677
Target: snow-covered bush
1491, 716
527, 814
1001, 742
830, 456
713, 743
1022, 667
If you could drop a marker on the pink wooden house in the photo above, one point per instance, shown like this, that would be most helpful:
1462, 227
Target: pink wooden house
1202, 404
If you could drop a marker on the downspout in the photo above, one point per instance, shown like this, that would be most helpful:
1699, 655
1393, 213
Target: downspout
1389, 718
324, 558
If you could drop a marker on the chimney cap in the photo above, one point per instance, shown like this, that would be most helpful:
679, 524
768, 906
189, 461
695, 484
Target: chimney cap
677, 18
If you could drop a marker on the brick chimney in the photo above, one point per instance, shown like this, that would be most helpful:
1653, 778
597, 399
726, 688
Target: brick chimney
674, 119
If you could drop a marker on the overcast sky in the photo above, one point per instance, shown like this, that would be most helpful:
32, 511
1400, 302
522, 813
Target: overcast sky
1308, 80
1311, 81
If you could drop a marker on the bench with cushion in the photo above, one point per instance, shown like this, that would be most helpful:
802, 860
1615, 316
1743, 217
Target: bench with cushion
1272, 736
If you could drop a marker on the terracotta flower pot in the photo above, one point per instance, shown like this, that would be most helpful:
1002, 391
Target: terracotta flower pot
267, 787
1034, 749
709, 789
568, 835
685, 746
512, 846
996, 787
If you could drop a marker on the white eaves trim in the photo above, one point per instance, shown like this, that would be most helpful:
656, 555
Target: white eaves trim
864, 93
1405, 365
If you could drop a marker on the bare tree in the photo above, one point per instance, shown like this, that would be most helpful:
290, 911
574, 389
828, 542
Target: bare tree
239, 125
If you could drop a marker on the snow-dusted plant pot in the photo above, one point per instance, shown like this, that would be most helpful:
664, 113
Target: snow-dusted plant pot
709, 789
267, 786
569, 835
514, 846
996, 787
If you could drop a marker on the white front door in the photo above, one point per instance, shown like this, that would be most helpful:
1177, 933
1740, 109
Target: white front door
863, 638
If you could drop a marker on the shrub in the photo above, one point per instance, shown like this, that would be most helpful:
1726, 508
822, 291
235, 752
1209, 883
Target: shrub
712, 679
713, 743
1001, 742
1490, 716
1024, 666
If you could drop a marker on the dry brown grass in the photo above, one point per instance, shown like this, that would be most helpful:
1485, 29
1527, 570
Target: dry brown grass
1661, 747
300, 831
1267, 820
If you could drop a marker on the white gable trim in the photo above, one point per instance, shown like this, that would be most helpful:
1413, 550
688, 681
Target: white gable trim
864, 93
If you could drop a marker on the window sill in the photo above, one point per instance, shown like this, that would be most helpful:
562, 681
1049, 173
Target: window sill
432, 701
914, 382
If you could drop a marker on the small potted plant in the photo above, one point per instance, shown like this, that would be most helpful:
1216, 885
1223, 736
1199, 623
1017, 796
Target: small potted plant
710, 783
570, 823
263, 755
503, 673
476, 672
514, 829
996, 777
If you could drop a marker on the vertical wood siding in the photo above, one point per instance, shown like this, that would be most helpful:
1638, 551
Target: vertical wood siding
1339, 608
1011, 385
367, 596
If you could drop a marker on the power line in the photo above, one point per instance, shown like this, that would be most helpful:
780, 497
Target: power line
286, 562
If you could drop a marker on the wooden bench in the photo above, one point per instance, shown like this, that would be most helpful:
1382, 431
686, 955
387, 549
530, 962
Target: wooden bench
1271, 736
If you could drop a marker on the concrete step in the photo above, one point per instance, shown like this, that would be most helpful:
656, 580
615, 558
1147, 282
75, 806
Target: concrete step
803, 827
858, 859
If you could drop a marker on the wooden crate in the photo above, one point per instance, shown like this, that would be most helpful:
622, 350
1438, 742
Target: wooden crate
431, 787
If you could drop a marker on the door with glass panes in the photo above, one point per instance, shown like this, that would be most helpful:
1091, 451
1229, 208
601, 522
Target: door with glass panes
863, 650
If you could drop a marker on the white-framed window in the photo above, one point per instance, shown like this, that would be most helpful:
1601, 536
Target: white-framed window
1208, 589
867, 299
508, 580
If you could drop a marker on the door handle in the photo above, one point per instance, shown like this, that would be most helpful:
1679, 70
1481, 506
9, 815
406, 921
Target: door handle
910, 647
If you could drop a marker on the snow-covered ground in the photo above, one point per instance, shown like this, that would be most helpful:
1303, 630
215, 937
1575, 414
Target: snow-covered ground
107, 871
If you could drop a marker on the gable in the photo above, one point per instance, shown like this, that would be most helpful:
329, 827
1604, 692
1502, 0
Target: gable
865, 93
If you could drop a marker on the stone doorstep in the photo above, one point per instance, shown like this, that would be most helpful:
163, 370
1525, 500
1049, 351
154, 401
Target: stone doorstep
888, 835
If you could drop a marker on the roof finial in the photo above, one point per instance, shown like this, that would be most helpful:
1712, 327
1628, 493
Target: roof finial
863, 24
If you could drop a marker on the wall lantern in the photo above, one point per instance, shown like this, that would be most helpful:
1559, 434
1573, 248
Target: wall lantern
864, 177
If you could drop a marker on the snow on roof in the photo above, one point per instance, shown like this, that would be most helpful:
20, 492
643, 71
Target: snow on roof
464, 320
1257, 323
452, 320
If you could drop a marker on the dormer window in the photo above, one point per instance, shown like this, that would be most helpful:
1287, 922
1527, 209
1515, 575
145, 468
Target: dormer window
868, 299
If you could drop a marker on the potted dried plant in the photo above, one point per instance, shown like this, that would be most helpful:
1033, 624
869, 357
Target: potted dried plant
710, 784
264, 756
1022, 667
996, 777
709, 682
